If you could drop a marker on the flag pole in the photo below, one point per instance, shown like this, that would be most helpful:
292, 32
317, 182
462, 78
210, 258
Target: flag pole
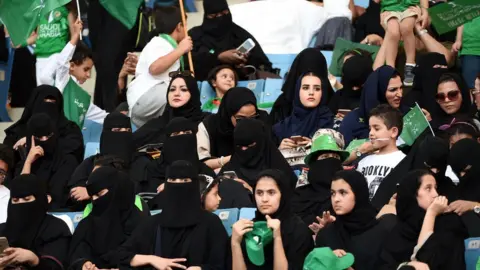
431, 129
184, 22
79, 16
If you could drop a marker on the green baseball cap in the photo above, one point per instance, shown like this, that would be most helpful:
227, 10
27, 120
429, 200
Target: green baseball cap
325, 143
256, 240
325, 259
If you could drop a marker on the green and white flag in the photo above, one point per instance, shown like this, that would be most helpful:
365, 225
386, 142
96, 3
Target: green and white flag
76, 102
21, 17
355, 144
448, 16
126, 11
414, 123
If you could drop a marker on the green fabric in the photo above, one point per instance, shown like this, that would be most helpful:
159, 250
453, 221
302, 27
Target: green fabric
210, 106
21, 17
447, 17
471, 38
75, 102
341, 47
174, 44
414, 123
398, 5
88, 208
256, 240
355, 144
325, 143
325, 259
53, 32
126, 11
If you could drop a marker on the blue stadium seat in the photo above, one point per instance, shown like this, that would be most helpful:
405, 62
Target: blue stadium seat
472, 252
228, 217
247, 213
362, 3
282, 61
328, 56
255, 85
155, 212
199, 84
91, 149
5, 76
206, 92
91, 131
75, 217
273, 89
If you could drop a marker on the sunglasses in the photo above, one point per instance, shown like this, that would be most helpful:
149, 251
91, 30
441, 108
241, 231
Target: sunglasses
452, 95
184, 73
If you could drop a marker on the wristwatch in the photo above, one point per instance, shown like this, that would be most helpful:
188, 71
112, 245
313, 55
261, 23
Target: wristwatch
476, 209
358, 153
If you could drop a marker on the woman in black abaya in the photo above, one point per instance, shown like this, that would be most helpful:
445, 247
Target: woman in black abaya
37, 240
183, 233
308, 60
422, 231
356, 229
272, 197
154, 130
216, 40
48, 99
112, 220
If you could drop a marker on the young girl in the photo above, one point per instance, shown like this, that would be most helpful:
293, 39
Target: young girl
209, 192
221, 79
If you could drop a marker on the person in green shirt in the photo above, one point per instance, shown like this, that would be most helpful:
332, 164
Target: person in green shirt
221, 79
468, 45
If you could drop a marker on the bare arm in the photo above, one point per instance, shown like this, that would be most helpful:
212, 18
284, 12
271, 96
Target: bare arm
163, 63
139, 260
216, 163
432, 45
380, 58
459, 33
238, 262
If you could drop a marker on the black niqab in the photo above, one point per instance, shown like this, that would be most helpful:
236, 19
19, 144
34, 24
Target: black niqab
464, 153
117, 143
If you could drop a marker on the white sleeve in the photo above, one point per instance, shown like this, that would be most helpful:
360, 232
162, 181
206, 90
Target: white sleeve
58, 70
96, 114
203, 142
155, 49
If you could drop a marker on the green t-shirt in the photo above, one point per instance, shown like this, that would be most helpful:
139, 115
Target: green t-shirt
53, 33
212, 105
471, 38
398, 5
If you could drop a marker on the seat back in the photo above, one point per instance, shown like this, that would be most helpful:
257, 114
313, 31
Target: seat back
75, 217
282, 61
91, 149
255, 85
247, 213
472, 253
228, 217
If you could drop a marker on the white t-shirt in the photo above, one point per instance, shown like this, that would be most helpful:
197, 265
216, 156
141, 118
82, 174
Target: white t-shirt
144, 81
4, 198
377, 167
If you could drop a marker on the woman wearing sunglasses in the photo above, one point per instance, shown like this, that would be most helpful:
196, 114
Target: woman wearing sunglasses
453, 99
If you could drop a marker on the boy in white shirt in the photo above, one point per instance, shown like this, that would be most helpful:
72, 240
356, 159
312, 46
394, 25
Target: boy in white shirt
386, 125
71, 68
146, 94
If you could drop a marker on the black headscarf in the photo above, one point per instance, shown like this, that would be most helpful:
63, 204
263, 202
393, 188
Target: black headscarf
284, 210
153, 131
263, 155
308, 60
68, 131
311, 200
464, 153
184, 206
24, 219
305, 121
115, 143
217, 27
355, 72
220, 127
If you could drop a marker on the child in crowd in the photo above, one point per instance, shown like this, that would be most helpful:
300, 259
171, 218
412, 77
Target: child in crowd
71, 68
6, 163
398, 18
386, 125
221, 79
146, 94
209, 196
468, 45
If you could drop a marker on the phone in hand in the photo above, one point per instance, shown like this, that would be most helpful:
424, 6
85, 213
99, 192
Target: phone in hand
246, 46
343, 111
297, 139
230, 174
3, 244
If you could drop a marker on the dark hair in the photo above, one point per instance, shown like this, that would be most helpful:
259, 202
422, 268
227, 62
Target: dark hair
446, 78
206, 183
391, 117
467, 127
212, 75
82, 53
420, 173
166, 19
6, 155
110, 161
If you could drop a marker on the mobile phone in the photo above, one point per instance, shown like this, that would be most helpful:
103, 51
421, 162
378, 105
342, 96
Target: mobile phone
230, 174
344, 111
3, 244
246, 46
297, 139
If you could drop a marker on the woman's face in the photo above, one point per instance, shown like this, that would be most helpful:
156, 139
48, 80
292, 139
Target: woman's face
267, 196
26, 199
100, 194
212, 199
427, 192
179, 180
224, 80
311, 91
343, 198
178, 94
449, 97
394, 92
245, 112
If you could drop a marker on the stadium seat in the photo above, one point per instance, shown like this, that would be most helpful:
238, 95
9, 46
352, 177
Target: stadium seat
155, 212
67, 221
472, 253
273, 89
362, 3
247, 213
282, 61
91, 149
255, 85
91, 131
328, 56
75, 217
228, 217
5, 76
206, 92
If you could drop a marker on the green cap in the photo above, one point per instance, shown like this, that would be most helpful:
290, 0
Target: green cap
325, 259
256, 240
325, 143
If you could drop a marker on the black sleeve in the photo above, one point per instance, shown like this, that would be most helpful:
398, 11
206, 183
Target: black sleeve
299, 247
329, 237
57, 185
80, 251
80, 175
217, 246
54, 253
140, 242
72, 142
204, 59
234, 195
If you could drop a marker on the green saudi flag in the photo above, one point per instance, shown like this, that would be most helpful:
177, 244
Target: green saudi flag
355, 144
21, 17
448, 16
126, 11
76, 102
414, 123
